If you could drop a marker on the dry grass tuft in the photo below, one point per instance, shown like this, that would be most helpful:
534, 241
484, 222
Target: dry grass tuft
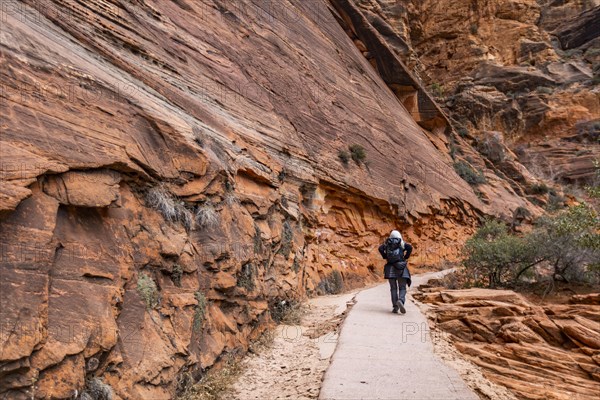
214, 385
207, 216
288, 312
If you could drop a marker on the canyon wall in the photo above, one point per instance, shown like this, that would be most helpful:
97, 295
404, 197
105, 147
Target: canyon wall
528, 69
171, 173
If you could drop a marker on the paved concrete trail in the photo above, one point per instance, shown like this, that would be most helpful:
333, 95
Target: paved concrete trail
381, 355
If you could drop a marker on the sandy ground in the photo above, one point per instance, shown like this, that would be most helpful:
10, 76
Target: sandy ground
294, 365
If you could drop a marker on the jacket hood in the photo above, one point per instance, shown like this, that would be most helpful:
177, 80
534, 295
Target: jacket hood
396, 237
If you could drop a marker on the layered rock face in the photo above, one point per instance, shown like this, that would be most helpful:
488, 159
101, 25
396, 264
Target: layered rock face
500, 182
526, 68
538, 352
170, 171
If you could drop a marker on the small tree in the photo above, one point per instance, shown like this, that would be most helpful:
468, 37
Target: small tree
493, 254
567, 243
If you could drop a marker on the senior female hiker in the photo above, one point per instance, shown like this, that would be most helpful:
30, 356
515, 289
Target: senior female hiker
396, 252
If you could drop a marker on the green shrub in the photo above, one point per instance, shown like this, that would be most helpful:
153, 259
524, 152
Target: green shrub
593, 191
148, 290
344, 157
199, 310
358, 153
493, 254
567, 244
468, 174
474, 28
463, 132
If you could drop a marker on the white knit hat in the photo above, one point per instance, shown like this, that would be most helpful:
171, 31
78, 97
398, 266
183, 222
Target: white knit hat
395, 235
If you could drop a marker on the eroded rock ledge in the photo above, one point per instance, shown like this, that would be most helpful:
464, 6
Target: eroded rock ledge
538, 352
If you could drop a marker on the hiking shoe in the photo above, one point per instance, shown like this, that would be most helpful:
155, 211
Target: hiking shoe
395, 310
401, 307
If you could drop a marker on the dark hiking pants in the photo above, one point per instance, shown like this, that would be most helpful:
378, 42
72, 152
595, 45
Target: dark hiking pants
398, 290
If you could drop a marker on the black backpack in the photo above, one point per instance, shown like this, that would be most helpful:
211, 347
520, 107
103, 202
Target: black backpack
394, 250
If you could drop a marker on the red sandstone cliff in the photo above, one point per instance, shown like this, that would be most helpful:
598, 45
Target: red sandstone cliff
170, 170
529, 69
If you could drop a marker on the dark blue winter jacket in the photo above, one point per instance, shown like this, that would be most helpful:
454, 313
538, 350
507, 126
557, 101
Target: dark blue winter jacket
391, 271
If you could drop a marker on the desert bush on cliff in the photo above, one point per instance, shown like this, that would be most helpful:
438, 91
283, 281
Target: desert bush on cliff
160, 199
468, 173
358, 153
96, 389
565, 246
207, 216
172, 209
148, 290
